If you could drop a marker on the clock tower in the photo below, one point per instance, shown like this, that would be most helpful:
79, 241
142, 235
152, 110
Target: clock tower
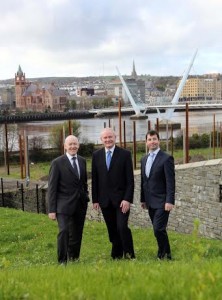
20, 86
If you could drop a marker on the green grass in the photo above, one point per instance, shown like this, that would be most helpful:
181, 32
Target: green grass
37, 171
28, 267
202, 153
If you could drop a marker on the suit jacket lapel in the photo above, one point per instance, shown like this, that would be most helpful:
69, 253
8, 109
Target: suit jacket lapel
67, 162
103, 159
114, 157
81, 168
156, 161
144, 165
68, 165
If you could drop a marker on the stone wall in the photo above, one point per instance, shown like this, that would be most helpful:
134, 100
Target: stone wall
197, 197
30, 198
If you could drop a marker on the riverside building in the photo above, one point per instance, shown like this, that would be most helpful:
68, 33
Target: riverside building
202, 88
37, 97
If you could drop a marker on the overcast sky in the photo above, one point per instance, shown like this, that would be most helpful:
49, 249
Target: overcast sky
92, 37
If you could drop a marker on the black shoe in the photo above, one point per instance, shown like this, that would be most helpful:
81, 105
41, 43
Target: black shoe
166, 256
116, 257
73, 259
62, 263
129, 256
169, 257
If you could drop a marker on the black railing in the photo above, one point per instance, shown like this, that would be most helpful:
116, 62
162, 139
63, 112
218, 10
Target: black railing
30, 117
19, 202
2, 191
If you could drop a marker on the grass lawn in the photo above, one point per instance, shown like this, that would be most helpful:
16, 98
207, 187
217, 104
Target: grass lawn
28, 267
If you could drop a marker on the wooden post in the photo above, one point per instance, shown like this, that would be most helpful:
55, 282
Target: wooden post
26, 151
6, 148
124, 134
220, 139
70, 127
21, 156
149, 125
214, 133
187, 135
62, 143
167, 136
120, 123
157, 125
134, 145
172, 141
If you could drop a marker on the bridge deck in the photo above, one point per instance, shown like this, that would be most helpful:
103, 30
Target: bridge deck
75, 115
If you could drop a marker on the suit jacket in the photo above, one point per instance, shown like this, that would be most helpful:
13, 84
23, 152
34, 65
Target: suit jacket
115, 184
65, 189
159, 188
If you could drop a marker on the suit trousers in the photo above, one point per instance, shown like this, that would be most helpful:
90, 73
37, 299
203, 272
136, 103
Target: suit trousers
119, 233
70, 233
159, 218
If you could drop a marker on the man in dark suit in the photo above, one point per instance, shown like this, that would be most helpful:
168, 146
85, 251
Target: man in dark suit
112, 191
68, 199
158, 190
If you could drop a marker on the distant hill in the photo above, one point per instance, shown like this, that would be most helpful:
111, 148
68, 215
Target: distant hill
60, 79
159, 80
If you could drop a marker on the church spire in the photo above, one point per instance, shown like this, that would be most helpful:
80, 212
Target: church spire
134, 74
19, 72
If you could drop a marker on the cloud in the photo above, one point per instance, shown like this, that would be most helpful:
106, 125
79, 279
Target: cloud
83, 37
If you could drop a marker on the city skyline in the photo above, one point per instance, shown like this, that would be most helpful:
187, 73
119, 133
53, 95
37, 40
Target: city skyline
74, 38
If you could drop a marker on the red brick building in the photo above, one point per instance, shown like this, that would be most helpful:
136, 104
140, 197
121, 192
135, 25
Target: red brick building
36, 96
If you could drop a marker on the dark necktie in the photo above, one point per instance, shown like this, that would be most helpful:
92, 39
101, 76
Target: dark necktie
108, 159
75, 166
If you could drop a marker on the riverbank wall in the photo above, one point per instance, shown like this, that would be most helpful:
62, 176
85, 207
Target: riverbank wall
198, 196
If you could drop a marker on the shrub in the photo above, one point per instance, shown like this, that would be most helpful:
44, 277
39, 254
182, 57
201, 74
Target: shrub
86, 149
56, 139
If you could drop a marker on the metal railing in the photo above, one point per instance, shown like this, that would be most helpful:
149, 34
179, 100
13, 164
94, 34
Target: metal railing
20, 191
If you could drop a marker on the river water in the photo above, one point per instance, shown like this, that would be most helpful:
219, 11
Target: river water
199, 122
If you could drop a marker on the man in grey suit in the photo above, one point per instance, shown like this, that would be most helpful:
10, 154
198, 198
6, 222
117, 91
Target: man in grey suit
112, 191
158, 190
68, 199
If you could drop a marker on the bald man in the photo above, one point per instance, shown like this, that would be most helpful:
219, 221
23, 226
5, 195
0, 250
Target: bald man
68, 199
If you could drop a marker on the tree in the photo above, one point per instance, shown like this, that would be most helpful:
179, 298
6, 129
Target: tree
12, 137
36, 143
108, 102
71, 104
205, 140
56, 134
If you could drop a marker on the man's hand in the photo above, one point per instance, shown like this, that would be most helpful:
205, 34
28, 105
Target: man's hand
125, 206
169, 206
96, 206
143, 205
52, 216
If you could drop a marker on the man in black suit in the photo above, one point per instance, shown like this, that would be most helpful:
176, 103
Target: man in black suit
68, 199
112, 191
158, 190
